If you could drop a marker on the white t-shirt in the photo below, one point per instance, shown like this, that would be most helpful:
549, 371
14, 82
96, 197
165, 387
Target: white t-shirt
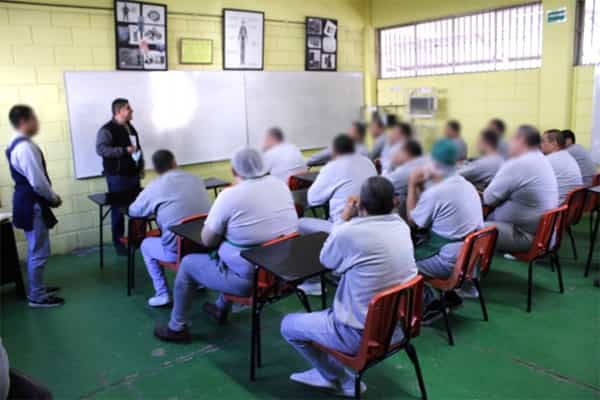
283, 160
253, 212
338, 180
568, 174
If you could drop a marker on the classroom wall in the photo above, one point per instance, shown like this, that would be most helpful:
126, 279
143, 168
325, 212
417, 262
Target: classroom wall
556, 95
39, 43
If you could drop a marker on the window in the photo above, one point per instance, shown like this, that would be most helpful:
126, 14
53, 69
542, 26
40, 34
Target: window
589, 39
509, 38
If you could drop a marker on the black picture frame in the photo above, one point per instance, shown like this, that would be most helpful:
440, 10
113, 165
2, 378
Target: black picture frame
319, 32
224, 40
126, 30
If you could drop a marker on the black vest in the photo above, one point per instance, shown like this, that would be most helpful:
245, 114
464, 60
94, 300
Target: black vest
124, 165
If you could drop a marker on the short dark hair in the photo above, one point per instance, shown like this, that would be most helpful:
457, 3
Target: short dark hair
405, 128
413, 148
19, 113
162, 160
361, 128
117, 104
568, 134
391, 120
376, 119
530, 134
276, 133
377, 196
490, 137
555, 135
343, 144
454, 125
499, 125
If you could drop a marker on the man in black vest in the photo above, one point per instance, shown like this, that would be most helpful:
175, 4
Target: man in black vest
118, 144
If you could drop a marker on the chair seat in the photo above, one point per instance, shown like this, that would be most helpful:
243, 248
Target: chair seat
440, 284
351, 361
526, 257
153, 233
245, 301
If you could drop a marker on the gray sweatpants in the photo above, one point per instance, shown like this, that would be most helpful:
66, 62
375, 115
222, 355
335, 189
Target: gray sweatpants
511, 239
228, 275
38, 251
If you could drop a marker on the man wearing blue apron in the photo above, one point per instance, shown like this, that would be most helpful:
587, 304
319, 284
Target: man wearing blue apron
32, 200
257, 209
450, 209
118, 144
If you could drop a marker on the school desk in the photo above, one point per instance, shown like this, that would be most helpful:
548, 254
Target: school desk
215, 184
10, 271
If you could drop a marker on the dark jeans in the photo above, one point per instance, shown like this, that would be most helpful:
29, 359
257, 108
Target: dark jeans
120, 184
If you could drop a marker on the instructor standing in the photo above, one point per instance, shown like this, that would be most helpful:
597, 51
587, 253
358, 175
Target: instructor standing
118, 144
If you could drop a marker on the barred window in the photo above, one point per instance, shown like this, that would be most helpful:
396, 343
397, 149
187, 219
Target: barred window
589, 42
502, 39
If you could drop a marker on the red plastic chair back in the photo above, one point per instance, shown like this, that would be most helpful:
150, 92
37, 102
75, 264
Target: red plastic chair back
548, 235
185, 247
137, 230
478, 250
297, 184
400, 305
575, 203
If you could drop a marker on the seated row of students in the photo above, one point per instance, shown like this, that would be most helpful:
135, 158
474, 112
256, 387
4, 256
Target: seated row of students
357, 132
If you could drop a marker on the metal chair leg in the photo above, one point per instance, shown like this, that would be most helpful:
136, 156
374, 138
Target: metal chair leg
594, 236
357, 379
412, 355
303, 300
481, 299
570, 232
446, 320
529, 286
128, 272
559, 272
258, 340
254, 326
323, 292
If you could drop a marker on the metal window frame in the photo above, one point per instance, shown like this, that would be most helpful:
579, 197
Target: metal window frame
580, 32
452, 18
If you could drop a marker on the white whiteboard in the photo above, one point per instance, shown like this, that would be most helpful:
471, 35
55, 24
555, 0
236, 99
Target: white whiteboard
596, 117
205, 116
310, 107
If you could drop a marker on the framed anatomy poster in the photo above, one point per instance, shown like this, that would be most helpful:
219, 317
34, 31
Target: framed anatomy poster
321, 44
141, 35
243, 39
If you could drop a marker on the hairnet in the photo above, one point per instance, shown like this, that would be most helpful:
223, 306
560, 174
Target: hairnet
248, 163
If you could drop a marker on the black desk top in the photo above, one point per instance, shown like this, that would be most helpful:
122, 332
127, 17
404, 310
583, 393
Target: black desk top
191, 231
121, 199
309, 177
212, 183
293, 260
595, 189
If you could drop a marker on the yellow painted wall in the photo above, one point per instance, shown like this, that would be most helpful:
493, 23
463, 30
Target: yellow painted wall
555, 95
39, 43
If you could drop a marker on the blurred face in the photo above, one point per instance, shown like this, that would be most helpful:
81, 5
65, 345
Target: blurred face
375, 129
396, 135
450, 133
401, 157
568, 142
30, 127
547, 145
125, 114
483, 147
269, 141
353, 133
517, 145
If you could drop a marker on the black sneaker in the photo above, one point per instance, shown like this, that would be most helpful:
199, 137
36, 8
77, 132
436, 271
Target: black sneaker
52, 289
211, 309
432, 313
453, 300
47, 302
167, 335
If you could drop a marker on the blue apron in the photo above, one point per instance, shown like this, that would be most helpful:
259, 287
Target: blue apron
25, 198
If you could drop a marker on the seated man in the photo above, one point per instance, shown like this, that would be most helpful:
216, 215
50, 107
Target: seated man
587, 166
499, 127
371, 252
282, 159
481, 171
174, 195
409, 157
450, 209
357, 132
452, 132
568, 175
378, 137
338, 180
398, 134
257, 209
523, 189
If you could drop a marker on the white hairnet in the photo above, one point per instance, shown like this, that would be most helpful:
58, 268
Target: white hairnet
248, 163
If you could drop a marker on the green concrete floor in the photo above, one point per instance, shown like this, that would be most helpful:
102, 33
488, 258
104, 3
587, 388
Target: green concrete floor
100, 344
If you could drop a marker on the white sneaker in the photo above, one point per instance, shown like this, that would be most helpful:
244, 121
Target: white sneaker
509, 257
311, 288
346, 389
313, 378
159, 301
468, 292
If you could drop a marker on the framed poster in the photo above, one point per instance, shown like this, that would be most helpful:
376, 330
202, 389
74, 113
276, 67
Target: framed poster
141, 36
243, 39
195, 51
321, 44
